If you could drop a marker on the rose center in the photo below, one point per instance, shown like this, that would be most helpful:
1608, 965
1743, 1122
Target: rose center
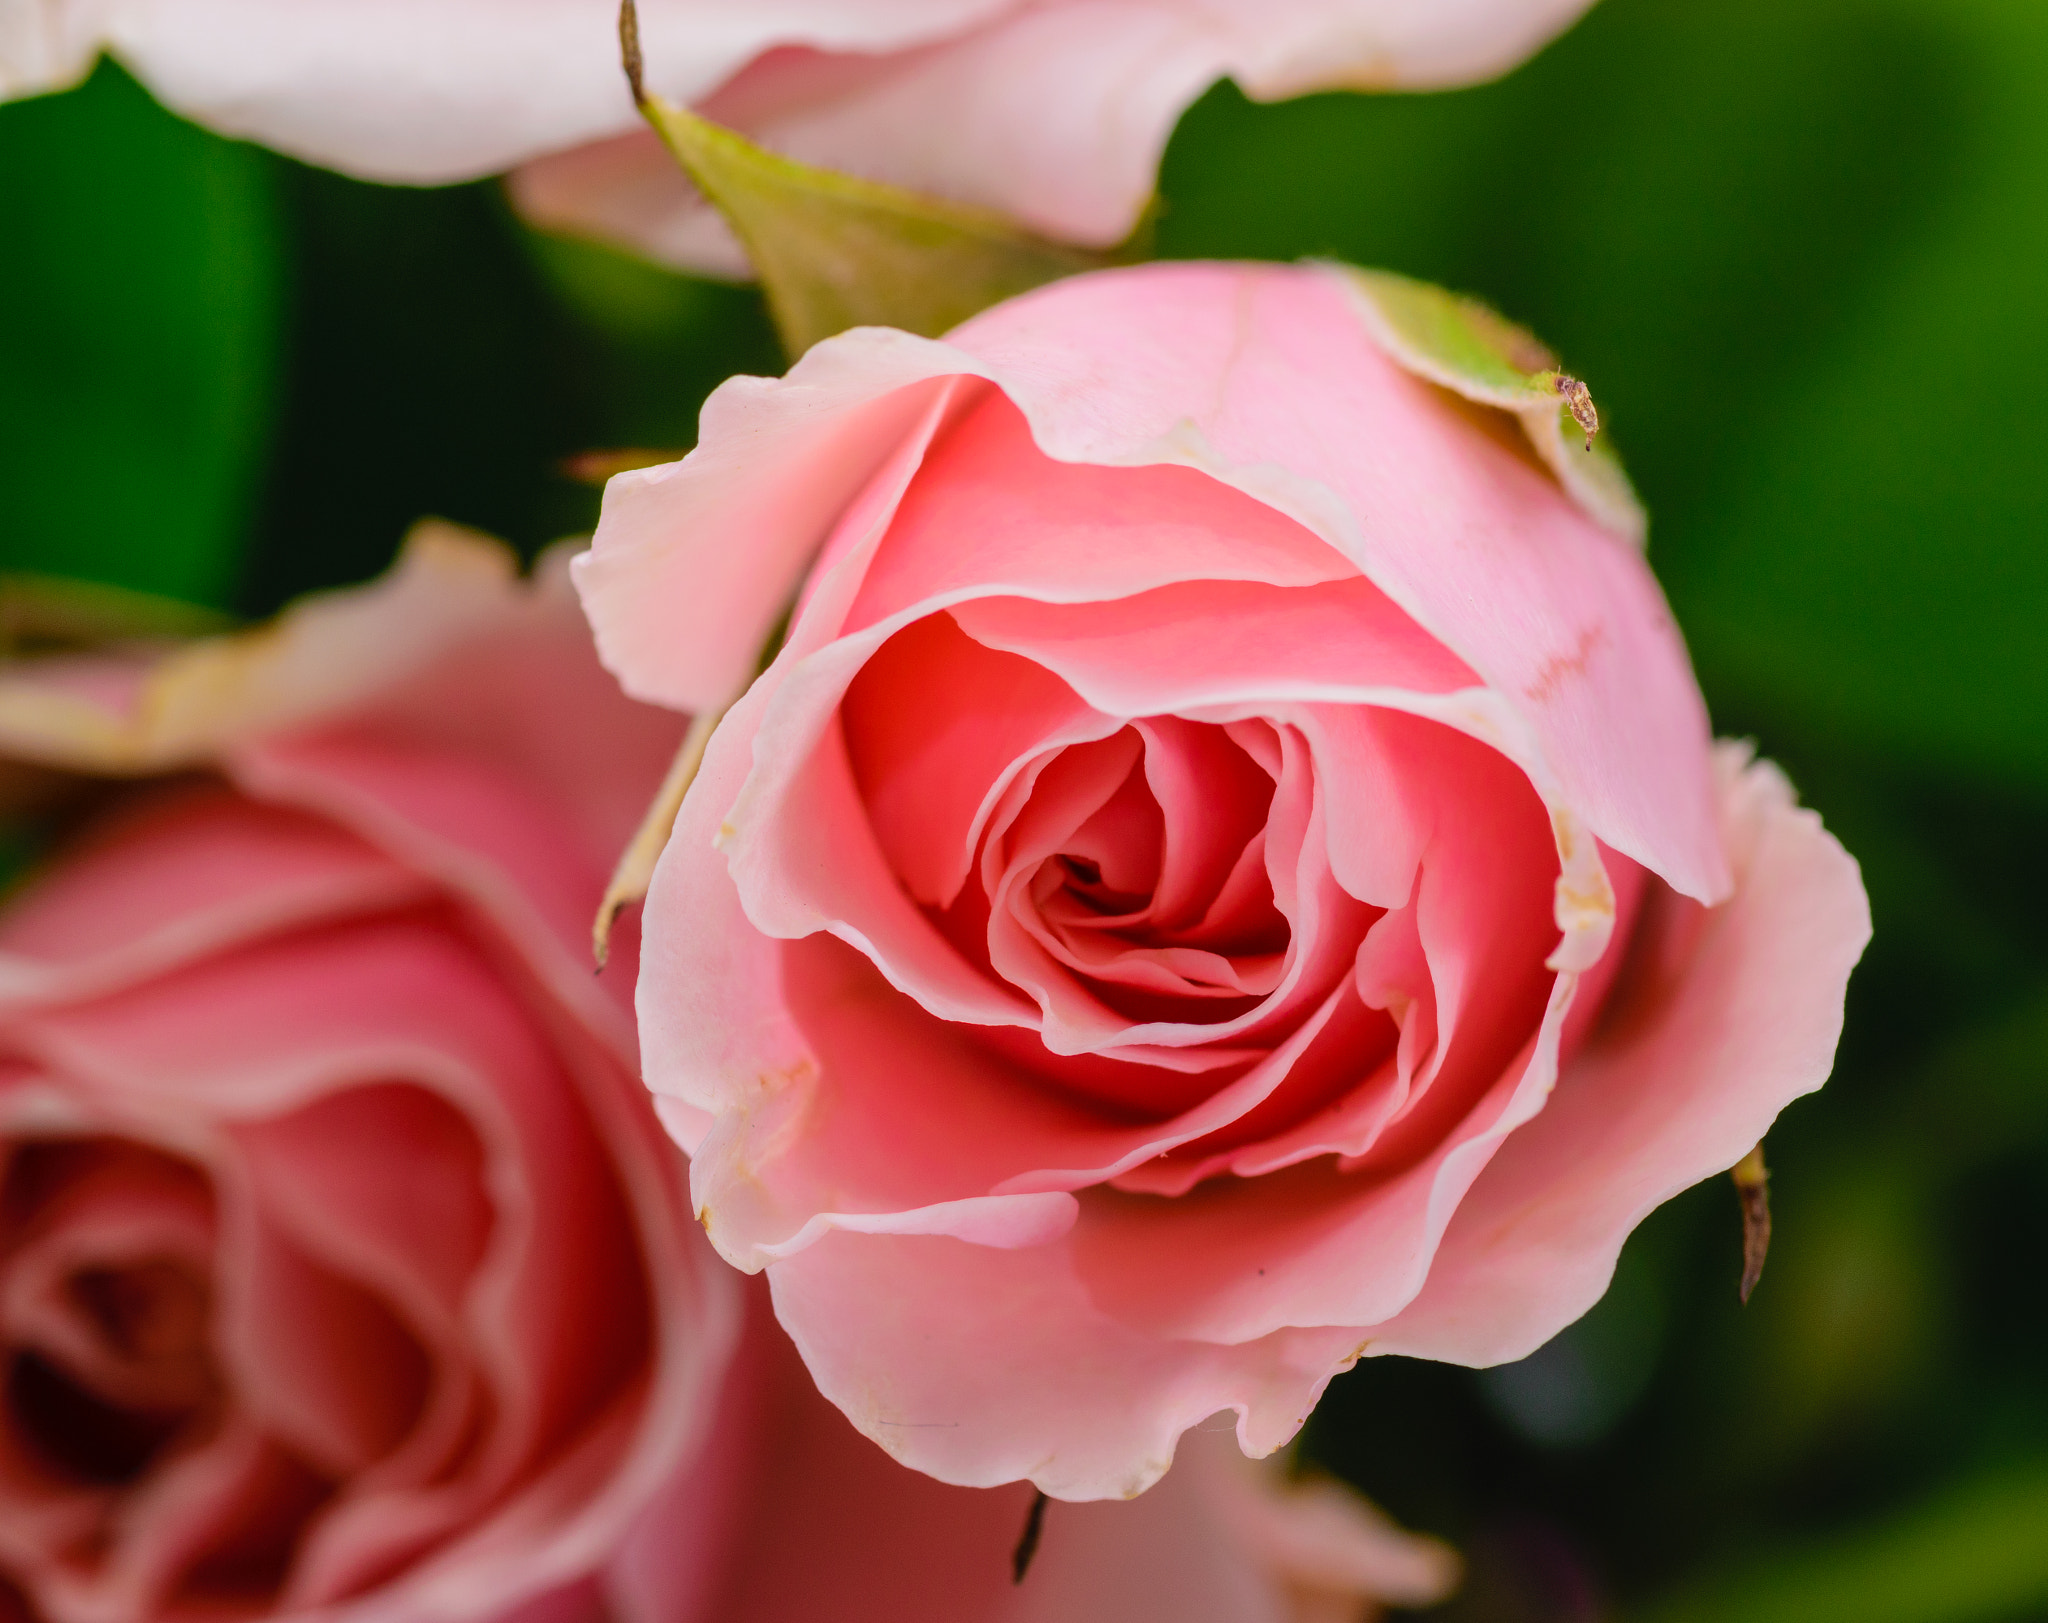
1138, 864
105, 1305
77, 1433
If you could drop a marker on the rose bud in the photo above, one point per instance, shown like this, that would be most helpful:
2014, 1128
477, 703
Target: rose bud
1055, 114
1228, 873
344, 1269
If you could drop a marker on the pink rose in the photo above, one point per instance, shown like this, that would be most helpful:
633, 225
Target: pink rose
1229, 873
344, 1269
1053, 112
338, 1262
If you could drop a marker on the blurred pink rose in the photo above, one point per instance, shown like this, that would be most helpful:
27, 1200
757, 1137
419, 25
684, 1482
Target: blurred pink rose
344, 1269
1216, 787
1054, 112
339, 1262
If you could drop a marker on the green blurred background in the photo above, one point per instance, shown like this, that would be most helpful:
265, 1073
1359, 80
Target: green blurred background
1801, 252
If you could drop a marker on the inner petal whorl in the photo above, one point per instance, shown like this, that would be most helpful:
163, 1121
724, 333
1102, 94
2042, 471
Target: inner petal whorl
1159, 900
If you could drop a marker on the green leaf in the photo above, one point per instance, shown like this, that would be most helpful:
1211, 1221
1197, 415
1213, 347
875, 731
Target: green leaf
1466, 346
835, 251
141, 276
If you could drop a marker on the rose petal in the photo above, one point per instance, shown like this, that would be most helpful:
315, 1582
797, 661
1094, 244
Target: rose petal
907, 1114
1238, 1260
1721, 1019
989, 514
1482, 549
1475, 543
1177, 648
936, 725
178, 878
433, 93
839, 1529
950, 1378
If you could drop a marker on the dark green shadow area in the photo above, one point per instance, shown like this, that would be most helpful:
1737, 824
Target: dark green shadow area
142, 268
231, 378
444, 361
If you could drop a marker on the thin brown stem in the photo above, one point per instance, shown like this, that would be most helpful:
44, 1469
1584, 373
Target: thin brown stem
629, 50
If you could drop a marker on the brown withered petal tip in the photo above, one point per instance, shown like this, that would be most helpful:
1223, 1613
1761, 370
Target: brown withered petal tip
1753, 1184
1027, 1542
598, 467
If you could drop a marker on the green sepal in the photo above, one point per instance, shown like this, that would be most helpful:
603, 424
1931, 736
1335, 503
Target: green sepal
41, 614
834, 251
1465, 346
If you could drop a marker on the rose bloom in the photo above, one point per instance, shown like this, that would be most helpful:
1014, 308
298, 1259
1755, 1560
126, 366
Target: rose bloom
1229, 872
1054, 112
344, 1270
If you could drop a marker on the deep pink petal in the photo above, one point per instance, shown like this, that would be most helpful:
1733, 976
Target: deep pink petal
389, 1168
337, 1377
805, 857
934, 724
487, 837
118, 1214
258, 1034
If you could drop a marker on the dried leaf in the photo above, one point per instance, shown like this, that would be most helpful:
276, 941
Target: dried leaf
835, 251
